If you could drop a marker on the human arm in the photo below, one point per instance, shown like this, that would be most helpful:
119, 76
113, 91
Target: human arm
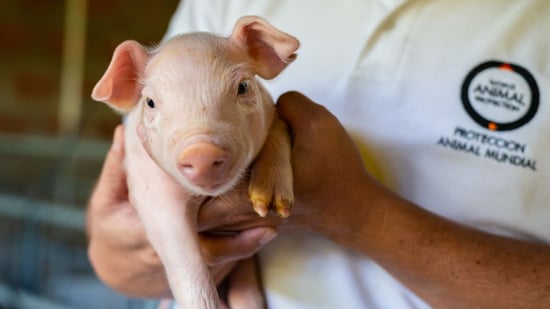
447, 264
119, 249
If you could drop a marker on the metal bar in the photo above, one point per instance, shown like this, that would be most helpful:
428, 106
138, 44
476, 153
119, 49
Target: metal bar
50, 147
20, 299
63, 216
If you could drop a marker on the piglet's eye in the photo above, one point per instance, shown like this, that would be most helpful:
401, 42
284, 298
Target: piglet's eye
151, 103
243, 87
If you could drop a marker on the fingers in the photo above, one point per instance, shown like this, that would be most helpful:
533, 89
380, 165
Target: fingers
299, 111
293, 104
224, 249
111, 186
220, 272
245, 286
112, 181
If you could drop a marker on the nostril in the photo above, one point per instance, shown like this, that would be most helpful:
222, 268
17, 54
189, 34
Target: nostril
187, 169
190, 166
204, 164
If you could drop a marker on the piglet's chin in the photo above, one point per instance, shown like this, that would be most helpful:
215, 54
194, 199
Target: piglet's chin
211, 189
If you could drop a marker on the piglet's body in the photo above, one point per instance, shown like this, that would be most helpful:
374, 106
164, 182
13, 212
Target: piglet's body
195, 106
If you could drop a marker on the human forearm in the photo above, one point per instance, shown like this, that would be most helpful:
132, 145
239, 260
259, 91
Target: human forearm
447, 264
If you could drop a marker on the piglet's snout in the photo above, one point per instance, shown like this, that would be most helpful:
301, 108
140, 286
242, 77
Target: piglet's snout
205, 164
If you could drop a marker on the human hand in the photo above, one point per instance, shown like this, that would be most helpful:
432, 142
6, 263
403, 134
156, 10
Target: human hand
328, 171
329, 177
118, 247
120, 251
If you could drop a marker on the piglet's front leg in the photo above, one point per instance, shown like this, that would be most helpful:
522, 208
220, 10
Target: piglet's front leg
271, 173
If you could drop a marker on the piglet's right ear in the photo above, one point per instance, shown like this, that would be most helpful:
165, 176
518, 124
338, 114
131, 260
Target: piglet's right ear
120, 86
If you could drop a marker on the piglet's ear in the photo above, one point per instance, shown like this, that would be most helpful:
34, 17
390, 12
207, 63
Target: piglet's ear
270, 49
120, 86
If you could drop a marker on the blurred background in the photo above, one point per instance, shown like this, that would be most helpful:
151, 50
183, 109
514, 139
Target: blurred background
53, 138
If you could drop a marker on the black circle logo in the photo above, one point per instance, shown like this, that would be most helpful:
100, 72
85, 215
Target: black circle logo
500, 96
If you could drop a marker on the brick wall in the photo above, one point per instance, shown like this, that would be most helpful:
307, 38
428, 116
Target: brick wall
31, 34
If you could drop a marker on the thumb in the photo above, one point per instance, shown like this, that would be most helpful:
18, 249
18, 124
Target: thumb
112, 180
227, 248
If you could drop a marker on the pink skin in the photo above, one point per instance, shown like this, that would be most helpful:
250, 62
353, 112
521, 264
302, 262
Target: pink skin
195, 106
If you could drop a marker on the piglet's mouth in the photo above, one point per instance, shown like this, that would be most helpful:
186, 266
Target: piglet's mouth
217, 184
217, 188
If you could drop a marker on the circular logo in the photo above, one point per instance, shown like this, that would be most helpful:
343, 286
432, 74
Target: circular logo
500, 96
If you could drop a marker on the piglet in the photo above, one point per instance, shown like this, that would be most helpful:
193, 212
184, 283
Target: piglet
195, 106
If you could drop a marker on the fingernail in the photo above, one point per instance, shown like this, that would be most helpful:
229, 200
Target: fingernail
267, 236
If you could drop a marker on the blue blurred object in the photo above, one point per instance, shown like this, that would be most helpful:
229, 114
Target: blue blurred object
44, 187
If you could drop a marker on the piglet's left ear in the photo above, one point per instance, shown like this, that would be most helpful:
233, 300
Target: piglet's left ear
270, 49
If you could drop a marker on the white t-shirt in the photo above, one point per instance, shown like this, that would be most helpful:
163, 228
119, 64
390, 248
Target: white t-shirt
449, 97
